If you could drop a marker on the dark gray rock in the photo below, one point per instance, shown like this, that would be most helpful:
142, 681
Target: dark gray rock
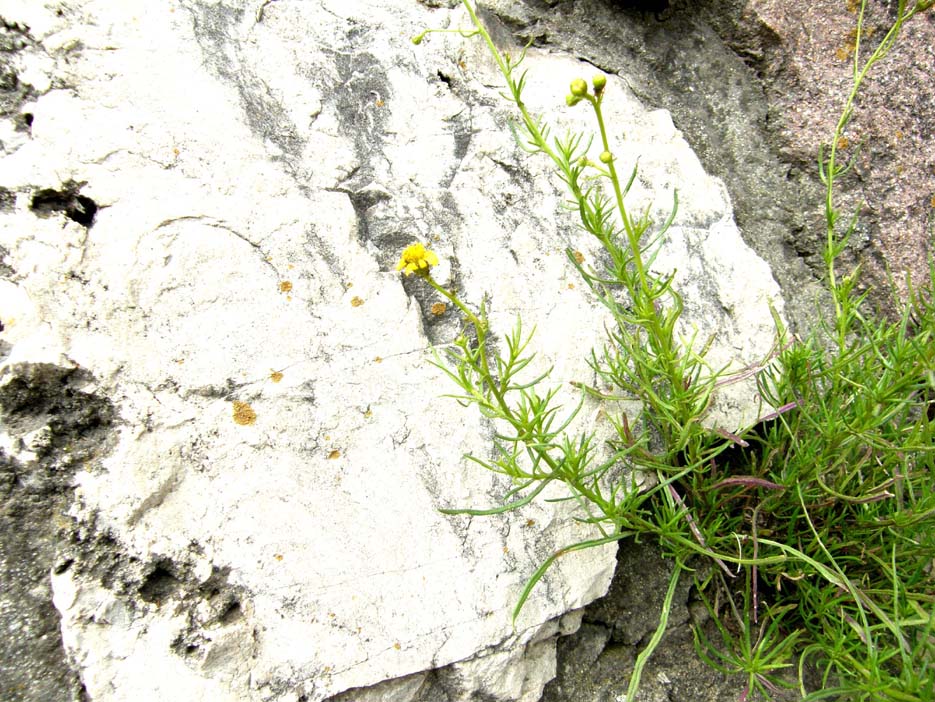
53, 419
595, 664
633, 605
15, 92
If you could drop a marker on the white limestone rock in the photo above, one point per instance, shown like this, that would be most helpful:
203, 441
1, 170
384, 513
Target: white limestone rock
266, 526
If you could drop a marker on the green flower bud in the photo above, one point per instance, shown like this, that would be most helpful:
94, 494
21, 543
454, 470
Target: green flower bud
599, 81
417, 39
606, 157
579, 88
571, 100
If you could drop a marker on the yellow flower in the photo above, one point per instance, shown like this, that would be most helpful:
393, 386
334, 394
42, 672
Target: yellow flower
416, 259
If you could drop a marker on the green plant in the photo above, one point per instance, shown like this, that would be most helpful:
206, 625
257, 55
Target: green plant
826, 506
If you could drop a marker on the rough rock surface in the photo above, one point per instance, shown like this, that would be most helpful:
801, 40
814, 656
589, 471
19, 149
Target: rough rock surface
202, 204
804, 52
66, 426
757, 85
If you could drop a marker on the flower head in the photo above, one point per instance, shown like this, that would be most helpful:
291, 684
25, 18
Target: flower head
579, 88
416, 259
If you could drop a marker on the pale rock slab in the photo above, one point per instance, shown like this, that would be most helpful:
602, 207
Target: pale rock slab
265, 525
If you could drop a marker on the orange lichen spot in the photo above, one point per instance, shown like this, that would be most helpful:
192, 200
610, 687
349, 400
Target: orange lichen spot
579, 257
356, 301
176, 151
332, 615
285, 286
243, 414
843, 142
846, 51
530, 522
379, 102
334, 454
899, 135
397, 645
278, 556
853, 5
438, 309
571, 286
327, 437
275, 376
348, 285
368, 413
932, 201
377, 359
506, 549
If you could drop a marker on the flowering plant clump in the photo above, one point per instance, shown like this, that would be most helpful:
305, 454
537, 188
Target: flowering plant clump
825, 513
416, 259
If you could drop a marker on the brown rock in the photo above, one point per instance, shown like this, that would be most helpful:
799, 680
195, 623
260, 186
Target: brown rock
806, 59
